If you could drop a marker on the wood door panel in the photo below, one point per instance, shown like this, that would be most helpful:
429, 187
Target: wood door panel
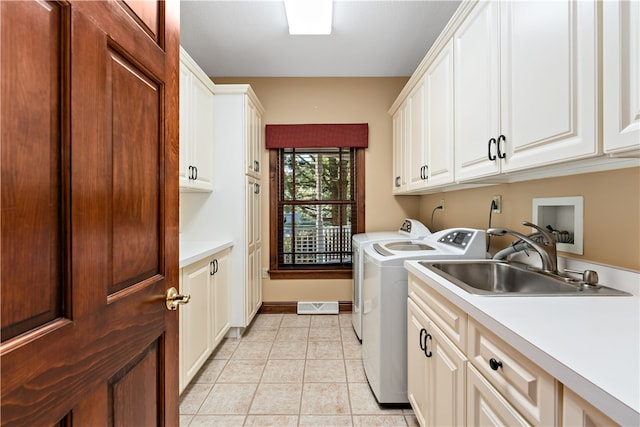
32, 130
35, 390
134, 395
135, 147
147, 13
111, 101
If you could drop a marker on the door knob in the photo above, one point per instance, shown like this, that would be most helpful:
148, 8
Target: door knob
174, 299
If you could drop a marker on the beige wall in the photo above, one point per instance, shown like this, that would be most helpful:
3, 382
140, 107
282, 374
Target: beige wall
611, 212
611, 199
335, 100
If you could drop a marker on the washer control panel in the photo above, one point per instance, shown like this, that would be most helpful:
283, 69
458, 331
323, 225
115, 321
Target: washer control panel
457, 238
406, 226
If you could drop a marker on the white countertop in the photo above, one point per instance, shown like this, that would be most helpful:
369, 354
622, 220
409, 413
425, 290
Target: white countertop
590, 344
192, 251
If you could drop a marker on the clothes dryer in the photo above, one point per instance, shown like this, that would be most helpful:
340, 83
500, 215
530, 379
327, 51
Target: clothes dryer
384, 296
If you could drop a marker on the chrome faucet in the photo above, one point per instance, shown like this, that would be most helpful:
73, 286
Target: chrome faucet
546, 248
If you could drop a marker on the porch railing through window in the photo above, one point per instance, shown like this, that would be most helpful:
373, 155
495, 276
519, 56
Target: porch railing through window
313, 245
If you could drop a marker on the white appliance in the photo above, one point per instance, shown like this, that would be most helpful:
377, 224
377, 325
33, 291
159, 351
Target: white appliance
409, 229
384, 296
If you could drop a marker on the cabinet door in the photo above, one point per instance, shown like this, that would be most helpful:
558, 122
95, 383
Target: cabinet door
485, 406
476, 77
436, 372
447, 380
253, 135
548, 82
185, 113
576, 412
221, 297
399, 147
621, 76
201, 121
257, 282
417, 153
417, 362
195, 320
257, 213
439, 119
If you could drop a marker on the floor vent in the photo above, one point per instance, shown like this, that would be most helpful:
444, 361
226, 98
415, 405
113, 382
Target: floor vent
325, 307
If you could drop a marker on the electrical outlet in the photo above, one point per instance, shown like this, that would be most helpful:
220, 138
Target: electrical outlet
498, 204
442, 203
265, 273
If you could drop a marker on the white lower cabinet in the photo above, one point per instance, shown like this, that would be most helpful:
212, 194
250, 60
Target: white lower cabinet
204, 321
459, 373
577, 412
487, 407
437, 373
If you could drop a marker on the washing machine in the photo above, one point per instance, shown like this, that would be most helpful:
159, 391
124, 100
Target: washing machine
384, 302
410, 229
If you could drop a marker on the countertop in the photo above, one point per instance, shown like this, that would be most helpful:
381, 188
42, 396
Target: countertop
192, 251
590, 344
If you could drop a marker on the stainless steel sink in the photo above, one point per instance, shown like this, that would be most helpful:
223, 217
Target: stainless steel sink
499, 278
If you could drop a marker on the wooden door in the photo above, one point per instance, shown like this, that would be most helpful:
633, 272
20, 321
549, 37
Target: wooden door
89, 213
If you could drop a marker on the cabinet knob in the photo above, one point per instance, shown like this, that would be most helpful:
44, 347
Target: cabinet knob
397, 181
495, 364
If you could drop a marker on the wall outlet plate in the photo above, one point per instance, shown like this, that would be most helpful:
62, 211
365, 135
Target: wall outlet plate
498, 203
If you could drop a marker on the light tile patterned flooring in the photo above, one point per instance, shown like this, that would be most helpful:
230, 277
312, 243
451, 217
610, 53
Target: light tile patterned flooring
288, 370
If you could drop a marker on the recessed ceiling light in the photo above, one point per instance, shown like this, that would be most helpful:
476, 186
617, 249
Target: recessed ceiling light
309, 16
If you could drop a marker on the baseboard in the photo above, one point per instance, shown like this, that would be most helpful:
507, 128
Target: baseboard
291, 307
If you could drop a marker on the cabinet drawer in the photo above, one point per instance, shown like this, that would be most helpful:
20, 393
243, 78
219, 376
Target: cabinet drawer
531, 390
449, 318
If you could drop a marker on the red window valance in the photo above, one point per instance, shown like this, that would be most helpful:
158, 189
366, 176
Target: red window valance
354, 135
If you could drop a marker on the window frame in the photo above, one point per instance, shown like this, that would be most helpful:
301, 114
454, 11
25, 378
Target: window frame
275, 272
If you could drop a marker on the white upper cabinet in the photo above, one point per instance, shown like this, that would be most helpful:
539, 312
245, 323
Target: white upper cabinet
525, 86
254, 139
423, 130
400, 141
439, 126
477, 90
196, 126
621, 77
416, 148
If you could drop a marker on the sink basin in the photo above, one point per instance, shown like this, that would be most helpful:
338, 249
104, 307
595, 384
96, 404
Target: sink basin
499, 278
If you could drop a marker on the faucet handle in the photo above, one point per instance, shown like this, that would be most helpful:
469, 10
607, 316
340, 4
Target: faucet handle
550, 238
589, 277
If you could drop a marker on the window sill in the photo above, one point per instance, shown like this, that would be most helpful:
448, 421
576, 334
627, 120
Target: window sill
310, 274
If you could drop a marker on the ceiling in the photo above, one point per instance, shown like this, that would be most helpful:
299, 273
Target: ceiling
248, 38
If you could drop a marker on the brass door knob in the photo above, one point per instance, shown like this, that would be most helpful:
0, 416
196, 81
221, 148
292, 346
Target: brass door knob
174, 299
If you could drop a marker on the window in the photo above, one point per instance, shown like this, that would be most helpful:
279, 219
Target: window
316, 206
316, 198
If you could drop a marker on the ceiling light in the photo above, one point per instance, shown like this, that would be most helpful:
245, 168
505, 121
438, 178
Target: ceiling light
309, 16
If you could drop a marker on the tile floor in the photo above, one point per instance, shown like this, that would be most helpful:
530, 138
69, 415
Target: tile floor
288, 370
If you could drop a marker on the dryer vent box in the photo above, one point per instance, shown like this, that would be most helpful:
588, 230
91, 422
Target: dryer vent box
318, 307
562, 213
